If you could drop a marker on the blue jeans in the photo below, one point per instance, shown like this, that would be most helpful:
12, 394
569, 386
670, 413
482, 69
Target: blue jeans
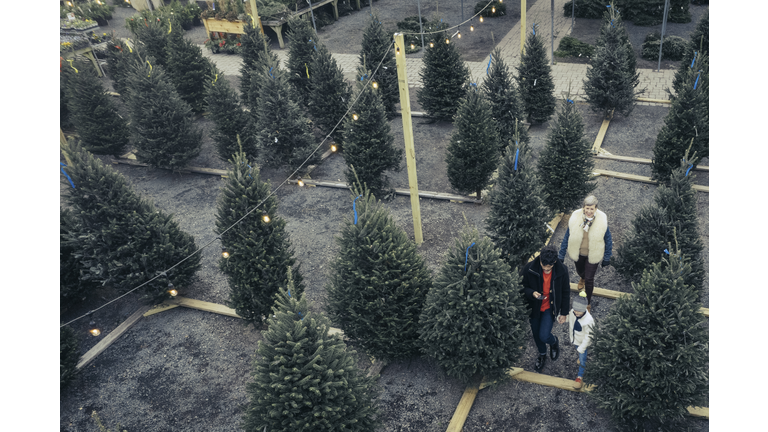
541, 328
582, 362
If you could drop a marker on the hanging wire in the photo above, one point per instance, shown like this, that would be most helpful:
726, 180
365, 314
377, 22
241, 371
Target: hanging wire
454, 27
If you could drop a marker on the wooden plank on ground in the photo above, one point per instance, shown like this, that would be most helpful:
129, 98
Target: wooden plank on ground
601, 292
552, 227
406, 192
664, 101
639, 178
601, 133
204, 306
699, 412
510, 372
465, 404
130, 159
605, 155
378, 365
162, 307
111, 338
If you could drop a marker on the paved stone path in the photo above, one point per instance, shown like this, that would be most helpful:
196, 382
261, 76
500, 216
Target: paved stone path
565, 74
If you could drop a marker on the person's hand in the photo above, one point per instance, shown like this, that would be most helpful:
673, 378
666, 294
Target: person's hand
536, 295
561, 319
606, 263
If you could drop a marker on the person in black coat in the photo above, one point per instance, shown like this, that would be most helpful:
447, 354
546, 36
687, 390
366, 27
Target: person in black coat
546, 287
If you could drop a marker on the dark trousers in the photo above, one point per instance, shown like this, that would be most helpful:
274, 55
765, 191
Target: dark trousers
587, 272
541, 327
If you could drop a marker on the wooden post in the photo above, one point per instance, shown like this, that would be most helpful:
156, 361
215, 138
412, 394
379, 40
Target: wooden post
410, 153
522, 26
255, 16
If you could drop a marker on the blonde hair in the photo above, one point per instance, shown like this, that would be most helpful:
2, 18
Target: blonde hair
590, 200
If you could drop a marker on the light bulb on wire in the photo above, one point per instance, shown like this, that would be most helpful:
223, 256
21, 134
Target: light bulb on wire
224, 253
300, 182
355, 116
333, 147
94, 332
481, 18
265, 218
375, 85
447, 40
171, 290
431, 44
471, 28
493, 9
413, 46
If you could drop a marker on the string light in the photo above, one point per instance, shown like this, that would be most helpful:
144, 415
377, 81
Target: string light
431, 44
265, 218
481, 18
375, 85
94, 332
333, 147
224, 253
471, 28
173, 292
355, 116
413, 46
300, 182
493, 9
459, 35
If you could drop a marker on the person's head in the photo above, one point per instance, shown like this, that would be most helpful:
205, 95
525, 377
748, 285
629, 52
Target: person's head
590, 206
580, 304
548, 258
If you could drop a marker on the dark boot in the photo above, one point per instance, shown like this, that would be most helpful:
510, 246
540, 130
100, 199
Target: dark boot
554, 349
540, 362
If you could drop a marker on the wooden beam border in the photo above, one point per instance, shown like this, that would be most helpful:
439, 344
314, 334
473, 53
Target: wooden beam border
110, 338
638, 178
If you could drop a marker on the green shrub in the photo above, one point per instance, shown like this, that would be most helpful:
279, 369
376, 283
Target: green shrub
572, 47
673, 49
501, 8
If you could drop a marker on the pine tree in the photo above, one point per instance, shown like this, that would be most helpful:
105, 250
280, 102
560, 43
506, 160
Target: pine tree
124, 241
473, 152
517, 220
368, 141
162, 124
612, 75
499, 89
698, 45
305, 379
377, 51
94, 114
444, 77
259, 251
119, 58
69, 354
534, 79
71, 289
565, 165
688, 118
255, 46
153, 35
650, 360
329, 94
378, 283
302, 49
474, 321
187, 68
230, 121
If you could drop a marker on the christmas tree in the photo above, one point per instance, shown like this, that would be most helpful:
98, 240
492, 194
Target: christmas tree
534, 79
517, 221
612, 75
698, 44
443, 77
329, 94
377, 52
565, 165
301, 52
305, 379
650, 360
474, 321
94, 114
153, 35
124, 241
230, 121
69, 354
255, 48
119, 58
259, 248
71, 289
473, 152
499, 89
162, 124
368, 141
187, 68
378, 283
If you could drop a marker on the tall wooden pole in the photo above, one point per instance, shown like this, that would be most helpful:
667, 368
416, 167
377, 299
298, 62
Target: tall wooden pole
255, 16
522, 26
410, 153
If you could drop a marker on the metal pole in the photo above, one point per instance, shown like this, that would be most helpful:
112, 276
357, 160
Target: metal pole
421, 27
573, 13
552, 45
462, 14
663, 29
522, 26
313, 15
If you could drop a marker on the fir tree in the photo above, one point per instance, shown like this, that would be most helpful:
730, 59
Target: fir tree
565, 165
255, 46
94, 114
534, 79
378, 283
305, 379
377, 52
162, 124
517, 220
71, 289
124, 241
301, 52
329, 94
651, 353
443, 77
187, 68
368, 141
474, 320
473, 152
698, 45
499, 89
259, 251
612, 75
69, 354
153, 35
230, 121
119, 58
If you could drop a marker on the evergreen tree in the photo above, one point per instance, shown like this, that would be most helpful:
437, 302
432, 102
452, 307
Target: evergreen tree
69, 354
187, 68
650, 360
499, 89
688, 118
94, 114
517, 220
230, 120
124, 241
301, 52
71, 289
304, 378
260, 251
368, 141
377, 51
162, 124
443, 76
534, 79
153, 36
329, 94
254, 47
378, 283
698, 45
474, 320
612, 75
473, 152
119, 58
565, 165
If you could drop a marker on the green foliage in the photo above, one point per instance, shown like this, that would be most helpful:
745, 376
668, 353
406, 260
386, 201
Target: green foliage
565, 165
124, 241
697, 45
230, 121
650, 357
102, 428
119, 58
572, 47
162, 124
473, 152
301, 52
377, 52
188, 69
411, 31
305, 379
329, 94
255, 52
488, 12
534, 79
641, 12
71, 289
378, 283
153, 35
674, 47
260, 252
499, 89
474, 320
69, 354
443, 76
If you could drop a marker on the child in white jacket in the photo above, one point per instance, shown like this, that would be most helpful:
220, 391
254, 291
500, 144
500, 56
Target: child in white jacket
580, 323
